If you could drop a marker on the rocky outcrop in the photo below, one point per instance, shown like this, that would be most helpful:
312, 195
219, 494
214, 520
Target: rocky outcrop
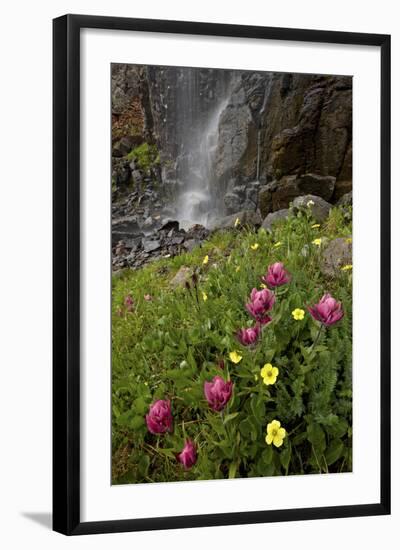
222, 145
274, 217
336, 255
318, 207
279, 126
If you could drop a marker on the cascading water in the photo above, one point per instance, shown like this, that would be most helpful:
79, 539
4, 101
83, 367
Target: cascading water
197, 198
201, 97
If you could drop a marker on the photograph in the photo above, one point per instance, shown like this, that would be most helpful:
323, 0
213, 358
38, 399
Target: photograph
231, 273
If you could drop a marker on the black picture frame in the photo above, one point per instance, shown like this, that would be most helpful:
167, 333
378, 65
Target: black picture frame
66, 273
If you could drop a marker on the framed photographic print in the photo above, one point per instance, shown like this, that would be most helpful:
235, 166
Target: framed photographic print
221, 274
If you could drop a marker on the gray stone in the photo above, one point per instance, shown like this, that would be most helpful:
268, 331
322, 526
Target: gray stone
181, 277
245, 217
178, 239
346, 200
124, 229
150, 245
319, 208
148, 222
336, 254
190, 244
169, 225
232, 202
274, 217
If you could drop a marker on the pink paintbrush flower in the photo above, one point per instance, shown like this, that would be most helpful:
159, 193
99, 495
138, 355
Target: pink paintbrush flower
218, 392
328, 311
276, 275
159, 419
188, 456
248, 336
261, 301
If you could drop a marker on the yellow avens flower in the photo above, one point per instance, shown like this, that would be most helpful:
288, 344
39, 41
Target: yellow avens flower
315, 226
278, 244
298, 314
205, 261
317, 242
347, 267
205, 297
269, 374
237, 222
235, 357
275, 434
254, 246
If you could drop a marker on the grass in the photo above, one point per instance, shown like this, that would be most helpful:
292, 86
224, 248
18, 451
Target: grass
168, 346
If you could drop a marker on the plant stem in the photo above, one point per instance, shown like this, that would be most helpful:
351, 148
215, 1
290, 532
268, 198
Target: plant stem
318, 335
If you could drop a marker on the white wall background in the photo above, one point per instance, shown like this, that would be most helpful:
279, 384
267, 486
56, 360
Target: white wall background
25, 217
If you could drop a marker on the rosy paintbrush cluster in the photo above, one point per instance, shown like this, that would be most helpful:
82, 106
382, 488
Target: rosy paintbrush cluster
218, 392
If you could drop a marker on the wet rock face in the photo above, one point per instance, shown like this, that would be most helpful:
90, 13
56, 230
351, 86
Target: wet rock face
279, 126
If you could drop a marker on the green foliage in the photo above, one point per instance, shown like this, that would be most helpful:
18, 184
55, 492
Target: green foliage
168, 347
145, 155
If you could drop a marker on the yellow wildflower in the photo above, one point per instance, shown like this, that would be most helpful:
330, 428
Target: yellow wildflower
263, 285
205, 297
205, 261
254, 246
275, 434
347, 267
269, 374
278, 244
235, 357
317, 242
237, 222
298, 314
315, 226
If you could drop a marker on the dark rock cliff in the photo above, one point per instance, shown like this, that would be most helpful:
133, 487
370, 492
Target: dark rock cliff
272, 136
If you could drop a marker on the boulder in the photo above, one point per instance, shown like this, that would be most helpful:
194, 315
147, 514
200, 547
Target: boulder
336, 254
319, 208
273, 217
149, 245
124, 229
314, 184
342, 187
182, 276
346, 200
169, 225
265, 197
286, 190
245, 217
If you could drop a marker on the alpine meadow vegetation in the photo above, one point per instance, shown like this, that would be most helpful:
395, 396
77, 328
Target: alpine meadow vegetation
244, 370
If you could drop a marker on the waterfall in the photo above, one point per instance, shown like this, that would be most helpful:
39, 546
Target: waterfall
196, 202
201, 98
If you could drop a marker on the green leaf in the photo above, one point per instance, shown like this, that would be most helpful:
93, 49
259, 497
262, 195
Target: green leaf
334, 451
232, 470
266, 456
316, 436
230, 416
137, 422
286, 455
